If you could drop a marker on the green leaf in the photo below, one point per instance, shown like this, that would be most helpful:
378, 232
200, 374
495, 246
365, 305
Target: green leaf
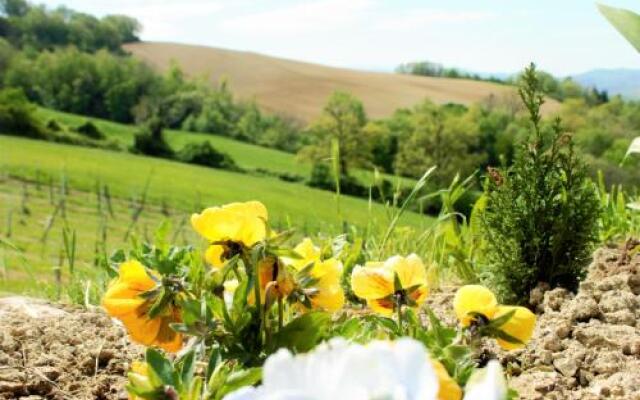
303, 333
188, 368
240, 299
160, 303
397, 285
498, 322
240, 379
505, 336
625, 21
160, 368
214, 359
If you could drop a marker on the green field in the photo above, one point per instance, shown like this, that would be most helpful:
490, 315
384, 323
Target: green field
183, 186
246, 155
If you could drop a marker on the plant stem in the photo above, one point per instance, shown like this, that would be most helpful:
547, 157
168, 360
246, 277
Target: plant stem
280, 313
399, 310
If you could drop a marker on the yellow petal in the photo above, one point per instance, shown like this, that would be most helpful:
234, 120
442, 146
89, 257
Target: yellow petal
236, 222
119, 299
141, 329
168, 339
372, 282
307, 251
381, 306
253, 209
448, 388
419, 295
330, 296
410, 270
474, 298
213, 256
135, 275
217, 224
329, 299
520, 326
252, 230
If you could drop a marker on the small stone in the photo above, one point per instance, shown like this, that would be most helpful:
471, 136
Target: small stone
566, 366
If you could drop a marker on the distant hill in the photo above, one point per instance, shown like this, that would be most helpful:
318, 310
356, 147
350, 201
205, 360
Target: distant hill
625, 82
300, 89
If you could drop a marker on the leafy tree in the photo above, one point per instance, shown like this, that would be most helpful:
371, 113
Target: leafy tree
343, 119
102, 85
14, 8
440, 137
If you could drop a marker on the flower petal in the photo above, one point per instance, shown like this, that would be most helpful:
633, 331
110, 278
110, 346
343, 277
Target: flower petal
410, 270
135, 275
520, 326
213, 256
474, 298
371, 282
307, 251
487, 384
381, 306
448, 388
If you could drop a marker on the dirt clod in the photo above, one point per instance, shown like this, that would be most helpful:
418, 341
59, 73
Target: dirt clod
70, 354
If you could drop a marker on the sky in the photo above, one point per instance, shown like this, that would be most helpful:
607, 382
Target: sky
562, 36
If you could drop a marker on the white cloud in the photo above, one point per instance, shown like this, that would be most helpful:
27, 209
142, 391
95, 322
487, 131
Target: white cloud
417, 19
322, 15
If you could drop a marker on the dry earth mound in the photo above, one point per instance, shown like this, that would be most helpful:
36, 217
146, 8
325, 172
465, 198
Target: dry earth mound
586, 346
50, 352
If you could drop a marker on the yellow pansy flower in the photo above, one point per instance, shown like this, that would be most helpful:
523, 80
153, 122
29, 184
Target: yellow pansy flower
322, 285
374, 282
124, 301
448, 388
519, 326
471, 299
229, 228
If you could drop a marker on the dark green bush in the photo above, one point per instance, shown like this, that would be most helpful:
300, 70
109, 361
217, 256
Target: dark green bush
53, 126
90, 130
150, 140
17, 115
205, 154
540, 221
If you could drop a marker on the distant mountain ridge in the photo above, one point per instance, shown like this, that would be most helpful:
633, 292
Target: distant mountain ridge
622, 81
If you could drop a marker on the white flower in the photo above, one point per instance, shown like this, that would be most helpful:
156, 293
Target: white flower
230, 287
487, 384
386, 370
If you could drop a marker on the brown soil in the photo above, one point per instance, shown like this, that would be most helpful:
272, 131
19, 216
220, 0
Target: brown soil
587, 345
77, 354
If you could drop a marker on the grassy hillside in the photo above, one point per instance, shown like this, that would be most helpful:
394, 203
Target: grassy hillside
300, 89
246, 155
182, 186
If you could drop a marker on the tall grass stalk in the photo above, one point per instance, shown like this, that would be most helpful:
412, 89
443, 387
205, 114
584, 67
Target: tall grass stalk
70, 241
337, 172
138, 207
397, 213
